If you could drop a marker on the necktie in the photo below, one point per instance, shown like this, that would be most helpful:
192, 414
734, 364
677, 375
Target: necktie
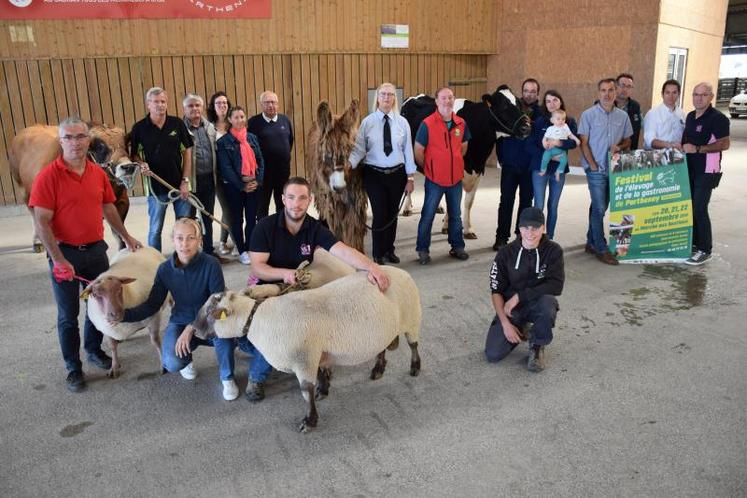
387, 136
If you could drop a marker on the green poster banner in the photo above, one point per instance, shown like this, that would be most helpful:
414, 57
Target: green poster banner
650, 210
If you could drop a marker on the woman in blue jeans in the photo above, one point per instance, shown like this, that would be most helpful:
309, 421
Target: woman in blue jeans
242, 170
191, 277
552, 101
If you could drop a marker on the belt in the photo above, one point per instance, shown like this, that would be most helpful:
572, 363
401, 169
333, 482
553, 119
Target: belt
386, 171
79, 247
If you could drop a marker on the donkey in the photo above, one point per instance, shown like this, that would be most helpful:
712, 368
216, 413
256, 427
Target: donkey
338, 191
496, 115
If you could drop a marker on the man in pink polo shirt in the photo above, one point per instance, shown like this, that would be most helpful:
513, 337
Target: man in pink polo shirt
69, 197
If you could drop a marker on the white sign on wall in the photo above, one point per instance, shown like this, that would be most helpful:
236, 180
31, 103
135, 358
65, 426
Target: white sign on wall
395, 36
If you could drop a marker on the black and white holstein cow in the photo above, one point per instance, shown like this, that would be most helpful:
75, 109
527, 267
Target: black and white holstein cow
495, 116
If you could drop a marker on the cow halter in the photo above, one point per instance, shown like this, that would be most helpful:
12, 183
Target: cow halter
505, 127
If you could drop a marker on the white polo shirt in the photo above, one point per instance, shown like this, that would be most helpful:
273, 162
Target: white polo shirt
661, 123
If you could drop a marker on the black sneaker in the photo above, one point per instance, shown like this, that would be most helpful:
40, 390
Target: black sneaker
423, 257
499, 243
75, 381
379, 261
536, 361
100, 359
255, 391
698, 258
393, 258
459, 254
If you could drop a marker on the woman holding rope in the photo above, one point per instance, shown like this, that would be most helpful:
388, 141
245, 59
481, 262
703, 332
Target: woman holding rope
242, 169
384, 144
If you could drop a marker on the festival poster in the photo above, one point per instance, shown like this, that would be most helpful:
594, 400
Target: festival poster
650, 209
134, 9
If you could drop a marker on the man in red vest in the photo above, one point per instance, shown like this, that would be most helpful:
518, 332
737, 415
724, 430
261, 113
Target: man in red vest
440, 143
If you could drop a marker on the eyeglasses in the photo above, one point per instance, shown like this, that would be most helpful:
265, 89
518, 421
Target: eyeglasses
270, 102
76, 138
701, 94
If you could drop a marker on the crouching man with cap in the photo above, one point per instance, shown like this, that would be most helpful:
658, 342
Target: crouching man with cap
525, 277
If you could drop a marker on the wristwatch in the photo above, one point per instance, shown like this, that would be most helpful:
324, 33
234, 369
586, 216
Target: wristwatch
410, 178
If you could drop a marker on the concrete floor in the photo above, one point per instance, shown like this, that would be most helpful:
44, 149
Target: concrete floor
644, 395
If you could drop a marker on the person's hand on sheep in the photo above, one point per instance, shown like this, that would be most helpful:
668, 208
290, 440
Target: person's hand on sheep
183, 344
378, 277
289, 277
132, 243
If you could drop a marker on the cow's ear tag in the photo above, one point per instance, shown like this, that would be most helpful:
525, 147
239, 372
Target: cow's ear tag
223, 315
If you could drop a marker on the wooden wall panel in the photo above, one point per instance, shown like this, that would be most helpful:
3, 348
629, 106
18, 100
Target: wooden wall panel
112, 89
296, 26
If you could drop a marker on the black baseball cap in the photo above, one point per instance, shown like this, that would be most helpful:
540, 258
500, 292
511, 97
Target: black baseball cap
532, 217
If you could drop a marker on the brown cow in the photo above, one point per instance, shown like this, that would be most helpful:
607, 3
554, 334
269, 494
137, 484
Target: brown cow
339, 196
36, 146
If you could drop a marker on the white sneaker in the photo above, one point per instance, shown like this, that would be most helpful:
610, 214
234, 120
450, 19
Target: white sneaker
244, 258
189, 371
224, 249
230, 390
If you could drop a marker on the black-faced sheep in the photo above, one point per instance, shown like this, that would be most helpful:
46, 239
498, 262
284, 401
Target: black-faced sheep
345, 322
126, 284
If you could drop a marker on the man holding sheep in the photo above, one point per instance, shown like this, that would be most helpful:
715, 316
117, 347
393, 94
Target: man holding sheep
284, 240
69, 197
525, 277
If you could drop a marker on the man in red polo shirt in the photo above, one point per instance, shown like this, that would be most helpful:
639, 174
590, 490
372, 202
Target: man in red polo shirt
69, 197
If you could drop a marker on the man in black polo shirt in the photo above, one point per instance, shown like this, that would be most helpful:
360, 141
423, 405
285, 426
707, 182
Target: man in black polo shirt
706, 135
164, 145
275, 135
284, 240
623, 100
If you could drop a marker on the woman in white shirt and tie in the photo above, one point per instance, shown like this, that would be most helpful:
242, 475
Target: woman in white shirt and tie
384, 149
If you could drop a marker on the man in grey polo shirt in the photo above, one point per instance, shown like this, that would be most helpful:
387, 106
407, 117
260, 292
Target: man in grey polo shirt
604, 129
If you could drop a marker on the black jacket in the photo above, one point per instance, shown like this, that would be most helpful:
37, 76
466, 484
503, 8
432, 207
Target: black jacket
528, 272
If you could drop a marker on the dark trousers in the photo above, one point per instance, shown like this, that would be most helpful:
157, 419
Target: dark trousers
701, 187
271, 188
511, 180
89, 264
384, 192
243, 206
206, 194
541, 312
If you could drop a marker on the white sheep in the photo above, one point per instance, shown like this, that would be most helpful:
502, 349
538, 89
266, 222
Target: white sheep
126, 284
345, 322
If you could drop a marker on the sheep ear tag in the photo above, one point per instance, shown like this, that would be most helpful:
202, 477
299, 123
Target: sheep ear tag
222, 315
85, 294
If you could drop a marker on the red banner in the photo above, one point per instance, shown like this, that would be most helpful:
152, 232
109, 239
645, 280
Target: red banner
134, 9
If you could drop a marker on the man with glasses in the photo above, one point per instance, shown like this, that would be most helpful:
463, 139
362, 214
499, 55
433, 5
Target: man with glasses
275, 135
706, 136
163, 145
514, 157
625, 85
69, 197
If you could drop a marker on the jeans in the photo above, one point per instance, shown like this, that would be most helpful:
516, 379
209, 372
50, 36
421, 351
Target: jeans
223, 351
157, 213
384, 193
89, 264
433, 194
701, 187
205, 193
243, 207
511, 180
600, 198
540, 311
540, 184
259, 368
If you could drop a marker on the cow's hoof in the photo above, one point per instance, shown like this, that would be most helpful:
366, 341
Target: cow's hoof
306, 425
439, 210
470, 235
376, 373
414, 372
320, 394
112, 374
37, 247
444, 230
